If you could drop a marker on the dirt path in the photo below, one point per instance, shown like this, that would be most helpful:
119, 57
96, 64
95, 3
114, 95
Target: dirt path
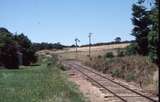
97, 94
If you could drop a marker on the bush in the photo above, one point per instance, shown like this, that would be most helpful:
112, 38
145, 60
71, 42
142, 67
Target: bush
62, 67
109, 55
131, 49
120, 53
116, 72
29, 56
9, 56
99, 56
130, 77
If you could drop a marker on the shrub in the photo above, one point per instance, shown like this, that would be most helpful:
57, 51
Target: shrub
130, 77
62, 67
109, 55
116, 72
99, 56
120, 53
131, 49
9, 56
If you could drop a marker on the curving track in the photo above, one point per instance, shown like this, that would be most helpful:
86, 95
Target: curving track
114, 90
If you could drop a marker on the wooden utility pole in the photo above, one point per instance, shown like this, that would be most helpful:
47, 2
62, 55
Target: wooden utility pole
76, 42
89, 36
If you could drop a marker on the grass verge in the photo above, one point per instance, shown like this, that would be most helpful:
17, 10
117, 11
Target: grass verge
44, 83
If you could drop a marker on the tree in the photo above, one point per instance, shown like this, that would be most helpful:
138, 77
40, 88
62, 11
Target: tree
23, 40
117, 39
140, 31
44, 45
26, 48
154, 36
14, 49
8, 50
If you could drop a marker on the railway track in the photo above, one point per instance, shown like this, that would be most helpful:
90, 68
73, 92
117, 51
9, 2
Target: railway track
121, 92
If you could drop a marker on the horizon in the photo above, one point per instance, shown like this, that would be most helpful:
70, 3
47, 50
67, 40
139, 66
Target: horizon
63, 21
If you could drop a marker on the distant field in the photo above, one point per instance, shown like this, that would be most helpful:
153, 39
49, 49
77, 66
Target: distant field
37, 84
69, 53
99, 48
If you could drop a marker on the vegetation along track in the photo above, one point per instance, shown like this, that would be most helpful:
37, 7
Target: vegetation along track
121, 92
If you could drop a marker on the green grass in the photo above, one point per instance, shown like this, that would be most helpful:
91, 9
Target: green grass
37, 84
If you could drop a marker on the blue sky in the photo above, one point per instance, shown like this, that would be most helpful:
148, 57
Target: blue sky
64, 20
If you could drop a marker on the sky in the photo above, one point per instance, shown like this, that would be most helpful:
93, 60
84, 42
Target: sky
64, 20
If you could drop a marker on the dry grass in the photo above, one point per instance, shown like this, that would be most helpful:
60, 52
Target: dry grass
82, 54
131, 68
100, 48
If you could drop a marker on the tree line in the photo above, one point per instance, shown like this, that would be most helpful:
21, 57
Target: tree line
48, 46
109, 43
17, 49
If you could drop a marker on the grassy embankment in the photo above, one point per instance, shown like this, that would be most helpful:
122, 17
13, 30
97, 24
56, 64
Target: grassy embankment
133, 68
44, 83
